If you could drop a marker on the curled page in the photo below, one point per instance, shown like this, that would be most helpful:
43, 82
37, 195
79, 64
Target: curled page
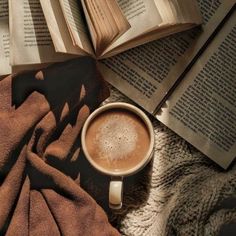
57, 26
73, 15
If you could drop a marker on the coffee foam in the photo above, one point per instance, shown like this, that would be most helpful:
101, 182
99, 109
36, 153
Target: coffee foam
116, 138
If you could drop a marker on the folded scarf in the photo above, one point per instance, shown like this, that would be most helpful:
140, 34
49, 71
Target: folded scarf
41, 116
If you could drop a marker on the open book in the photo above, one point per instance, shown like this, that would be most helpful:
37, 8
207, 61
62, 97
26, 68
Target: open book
46, 31
188, 81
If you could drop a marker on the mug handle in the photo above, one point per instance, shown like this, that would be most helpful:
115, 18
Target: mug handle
116, 192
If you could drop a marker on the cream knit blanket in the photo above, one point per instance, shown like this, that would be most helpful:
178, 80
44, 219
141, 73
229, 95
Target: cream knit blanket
181, 192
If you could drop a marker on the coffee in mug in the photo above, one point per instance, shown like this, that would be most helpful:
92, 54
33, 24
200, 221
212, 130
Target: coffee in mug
118, 140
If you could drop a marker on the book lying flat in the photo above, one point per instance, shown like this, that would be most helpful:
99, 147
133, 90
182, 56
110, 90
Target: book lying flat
188, 81
46, 31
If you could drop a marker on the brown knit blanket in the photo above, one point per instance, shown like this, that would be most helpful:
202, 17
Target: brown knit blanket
41, 115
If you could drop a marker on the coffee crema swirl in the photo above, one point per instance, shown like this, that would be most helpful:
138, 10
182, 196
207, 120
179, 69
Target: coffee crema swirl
117, 140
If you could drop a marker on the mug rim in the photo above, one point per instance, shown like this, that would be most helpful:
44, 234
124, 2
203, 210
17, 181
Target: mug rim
141, 115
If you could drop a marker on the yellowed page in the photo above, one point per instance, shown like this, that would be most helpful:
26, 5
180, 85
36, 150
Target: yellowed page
142, 16
105, 21
76, 25
190, 13
178, 11
30, 40
92, 30
103, 28
165, 10
147, 73
148, 37
121, 21
58, 28
203, 107
175, 17
5, 67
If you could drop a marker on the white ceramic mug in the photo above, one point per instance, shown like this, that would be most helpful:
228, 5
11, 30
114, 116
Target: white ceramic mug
116, 183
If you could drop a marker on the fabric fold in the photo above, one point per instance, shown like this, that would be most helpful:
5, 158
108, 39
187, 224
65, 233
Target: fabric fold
41, 117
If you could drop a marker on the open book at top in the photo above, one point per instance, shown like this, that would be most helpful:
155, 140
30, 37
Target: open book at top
103, 28
38, 32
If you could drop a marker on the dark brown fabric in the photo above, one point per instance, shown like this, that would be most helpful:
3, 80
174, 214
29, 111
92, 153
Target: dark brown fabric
41, 116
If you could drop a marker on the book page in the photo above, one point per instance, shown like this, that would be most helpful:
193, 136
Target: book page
142, 16
178, 11
203, 107
58, 28
147, 73
101, 28
105, 21
30, 39
5, 67
166, 11
175, 16
182, 11
72, 10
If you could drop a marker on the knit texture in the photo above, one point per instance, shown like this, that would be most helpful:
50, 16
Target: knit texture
181, 192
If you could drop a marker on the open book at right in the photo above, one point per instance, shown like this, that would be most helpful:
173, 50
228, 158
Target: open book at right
188, 81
